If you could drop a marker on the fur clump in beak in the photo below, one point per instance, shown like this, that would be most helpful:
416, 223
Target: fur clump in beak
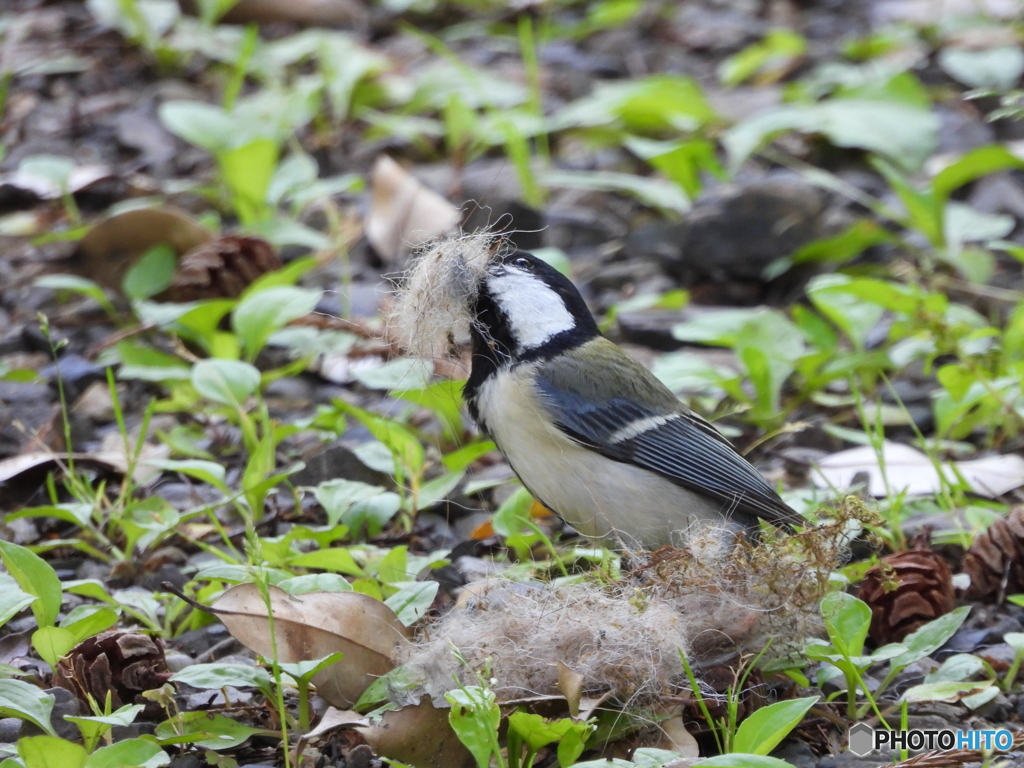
433, 307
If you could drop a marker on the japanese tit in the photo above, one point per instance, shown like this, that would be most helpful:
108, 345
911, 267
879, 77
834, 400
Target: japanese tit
590, 432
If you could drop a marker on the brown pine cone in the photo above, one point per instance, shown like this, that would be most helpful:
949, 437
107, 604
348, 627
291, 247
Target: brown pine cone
123, 663
222, 268
904, 591
995, 561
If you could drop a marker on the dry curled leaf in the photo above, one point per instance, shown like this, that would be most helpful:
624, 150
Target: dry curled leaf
403, 212
905, 591
314, 625
222, 268
112, 246
908, 470
419, 736
995, 561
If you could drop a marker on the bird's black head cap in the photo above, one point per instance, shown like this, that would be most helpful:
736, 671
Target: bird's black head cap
525, 310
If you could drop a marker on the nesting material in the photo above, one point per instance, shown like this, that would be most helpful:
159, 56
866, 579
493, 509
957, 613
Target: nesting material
522, 632
710, 600
433, 309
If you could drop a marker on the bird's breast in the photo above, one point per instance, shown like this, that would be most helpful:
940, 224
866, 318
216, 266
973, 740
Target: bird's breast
599, 497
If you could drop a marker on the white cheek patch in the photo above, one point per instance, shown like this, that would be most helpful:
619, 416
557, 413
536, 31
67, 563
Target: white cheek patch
535, 312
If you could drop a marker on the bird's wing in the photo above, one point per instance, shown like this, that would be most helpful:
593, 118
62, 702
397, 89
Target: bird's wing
673, 443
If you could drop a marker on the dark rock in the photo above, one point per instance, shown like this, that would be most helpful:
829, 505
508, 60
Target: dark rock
334, 461
10, 730
652, 329
65, 703
187, 760
736, 233
75, 372
796, 753
960, 132
998, 193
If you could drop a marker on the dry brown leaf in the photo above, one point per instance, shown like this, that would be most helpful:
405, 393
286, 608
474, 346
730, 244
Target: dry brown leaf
112, 246
317, 12
675, 738
403, 212
419, 736
315, 625
570, 685
910, 470
114, 460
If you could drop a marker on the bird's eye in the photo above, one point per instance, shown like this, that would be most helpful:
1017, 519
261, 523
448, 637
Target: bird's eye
523, 263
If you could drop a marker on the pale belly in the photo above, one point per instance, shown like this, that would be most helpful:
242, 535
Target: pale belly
596, 496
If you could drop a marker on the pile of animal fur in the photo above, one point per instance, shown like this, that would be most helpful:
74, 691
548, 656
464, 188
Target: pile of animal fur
432, 312
708, 600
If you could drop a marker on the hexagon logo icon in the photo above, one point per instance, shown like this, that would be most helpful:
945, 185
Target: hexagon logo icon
861, 739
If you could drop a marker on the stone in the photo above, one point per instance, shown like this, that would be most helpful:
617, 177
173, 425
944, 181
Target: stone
736, 233
65, 703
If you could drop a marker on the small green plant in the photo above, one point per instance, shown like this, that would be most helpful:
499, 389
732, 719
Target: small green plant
847, 621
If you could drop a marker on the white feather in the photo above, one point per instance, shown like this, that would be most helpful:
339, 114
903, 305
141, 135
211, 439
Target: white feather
535, 312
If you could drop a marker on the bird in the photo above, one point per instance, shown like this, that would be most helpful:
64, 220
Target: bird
591, 433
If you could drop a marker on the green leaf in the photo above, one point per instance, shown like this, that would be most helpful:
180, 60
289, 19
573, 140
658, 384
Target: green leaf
78, 285
403, 444
216, 676
927, 639
412, 601
513, 514
52, 643
956, 668
204, 471
204, 125
13, 601
130, 753
463, 457
333, 559
906, 135
760, 733
35, 577
19, 699
847, 620
92, 728
248, 171
973, 165
741, 760
229, 382
537, 731
87, 620
404, 373
303, 670
999, 67
475, 717
315, 582
681, 161
51, 752
651, 191
437, 490
151, 274
950, 691
778, 48
653, 104
259, 314
443, 398
204, 730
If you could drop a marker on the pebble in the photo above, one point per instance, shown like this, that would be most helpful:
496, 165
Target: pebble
65, 703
